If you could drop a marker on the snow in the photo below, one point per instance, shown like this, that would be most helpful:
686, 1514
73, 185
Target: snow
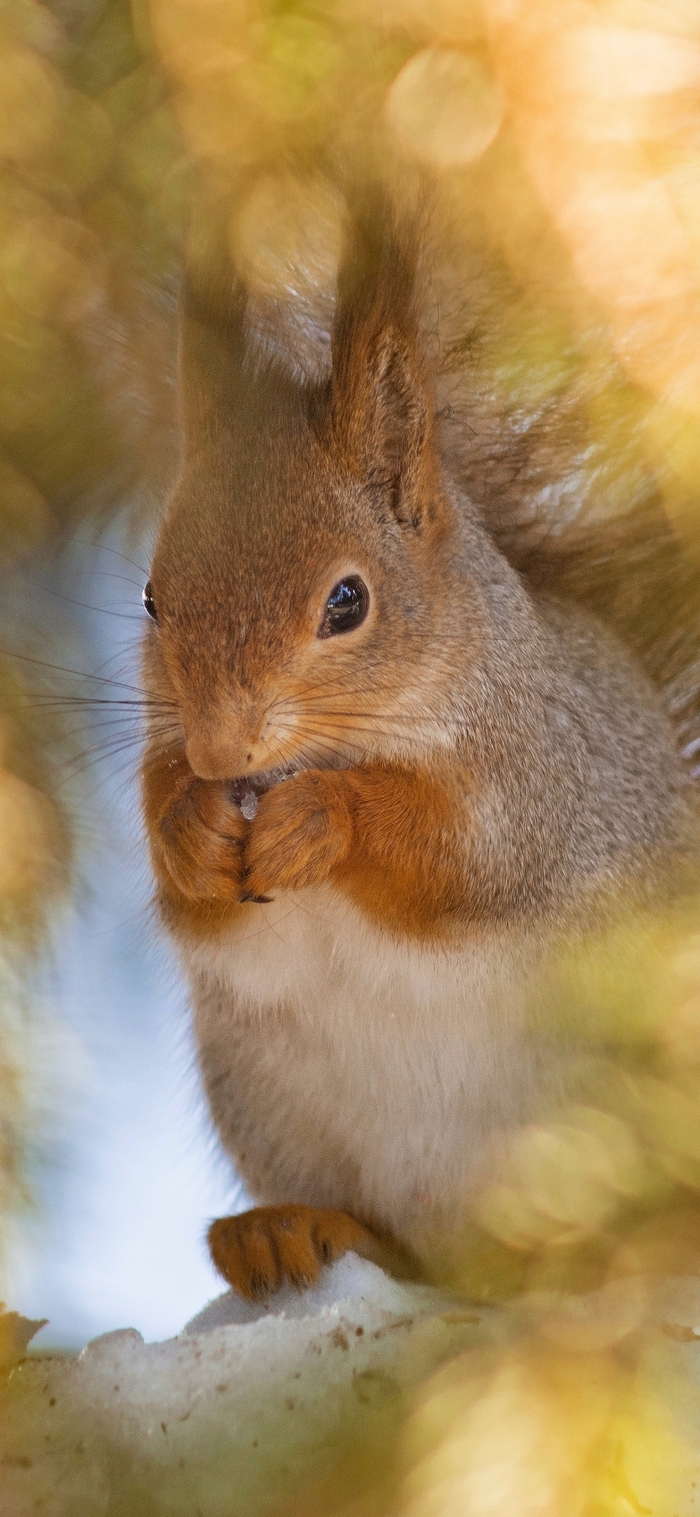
349, 1280
246, 1399
296, 1406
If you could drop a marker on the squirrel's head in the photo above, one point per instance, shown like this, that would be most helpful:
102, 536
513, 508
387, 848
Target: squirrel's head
298, 590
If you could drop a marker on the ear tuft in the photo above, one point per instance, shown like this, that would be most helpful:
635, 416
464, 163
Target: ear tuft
398, 426
381, 404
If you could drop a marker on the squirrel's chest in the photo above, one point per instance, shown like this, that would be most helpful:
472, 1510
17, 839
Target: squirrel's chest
378, 1070
313, 957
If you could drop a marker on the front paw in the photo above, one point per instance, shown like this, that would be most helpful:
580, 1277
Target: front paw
196, 833
302, 831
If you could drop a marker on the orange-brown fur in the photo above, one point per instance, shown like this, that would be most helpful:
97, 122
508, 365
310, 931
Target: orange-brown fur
474, 769
261, 1249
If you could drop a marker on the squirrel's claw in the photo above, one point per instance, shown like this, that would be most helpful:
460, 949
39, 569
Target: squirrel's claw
260, 1250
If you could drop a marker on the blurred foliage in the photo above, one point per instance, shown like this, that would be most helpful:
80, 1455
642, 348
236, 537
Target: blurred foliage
569, 130
91, 204
92, 195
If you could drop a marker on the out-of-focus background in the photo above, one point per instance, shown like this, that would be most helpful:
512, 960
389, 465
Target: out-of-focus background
108, 1173
129, 1175
567, 134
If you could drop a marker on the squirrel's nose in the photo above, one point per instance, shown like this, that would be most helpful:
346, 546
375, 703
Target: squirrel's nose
210, 759
225, 747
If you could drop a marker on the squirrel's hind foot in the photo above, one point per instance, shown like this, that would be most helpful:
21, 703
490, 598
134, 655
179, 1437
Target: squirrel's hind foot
263, 1249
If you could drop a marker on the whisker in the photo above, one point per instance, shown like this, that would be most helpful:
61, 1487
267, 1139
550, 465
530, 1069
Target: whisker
268, 926
124, 579
75, 673
311, 743
103, 548
325, 702
109, 722
76, 702
83, 605
96, 755
363, 725
106, 741
353, 718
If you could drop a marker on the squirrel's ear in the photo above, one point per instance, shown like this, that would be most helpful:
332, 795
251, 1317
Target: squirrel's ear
395, 419
381, 402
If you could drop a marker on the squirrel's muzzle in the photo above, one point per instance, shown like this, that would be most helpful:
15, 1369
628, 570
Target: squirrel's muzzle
238, 742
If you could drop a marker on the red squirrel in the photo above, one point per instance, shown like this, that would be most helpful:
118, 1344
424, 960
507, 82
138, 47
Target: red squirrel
386, 769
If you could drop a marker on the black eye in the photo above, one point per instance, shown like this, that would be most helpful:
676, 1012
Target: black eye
149, 604
346, 607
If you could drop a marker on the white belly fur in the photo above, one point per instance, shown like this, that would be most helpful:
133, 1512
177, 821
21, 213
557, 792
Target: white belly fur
364, 1073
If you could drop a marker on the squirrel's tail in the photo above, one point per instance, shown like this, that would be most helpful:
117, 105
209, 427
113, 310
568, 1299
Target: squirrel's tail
633, 571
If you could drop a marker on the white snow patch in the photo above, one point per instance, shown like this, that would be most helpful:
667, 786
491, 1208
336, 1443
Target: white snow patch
350, 1281
254, 1410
